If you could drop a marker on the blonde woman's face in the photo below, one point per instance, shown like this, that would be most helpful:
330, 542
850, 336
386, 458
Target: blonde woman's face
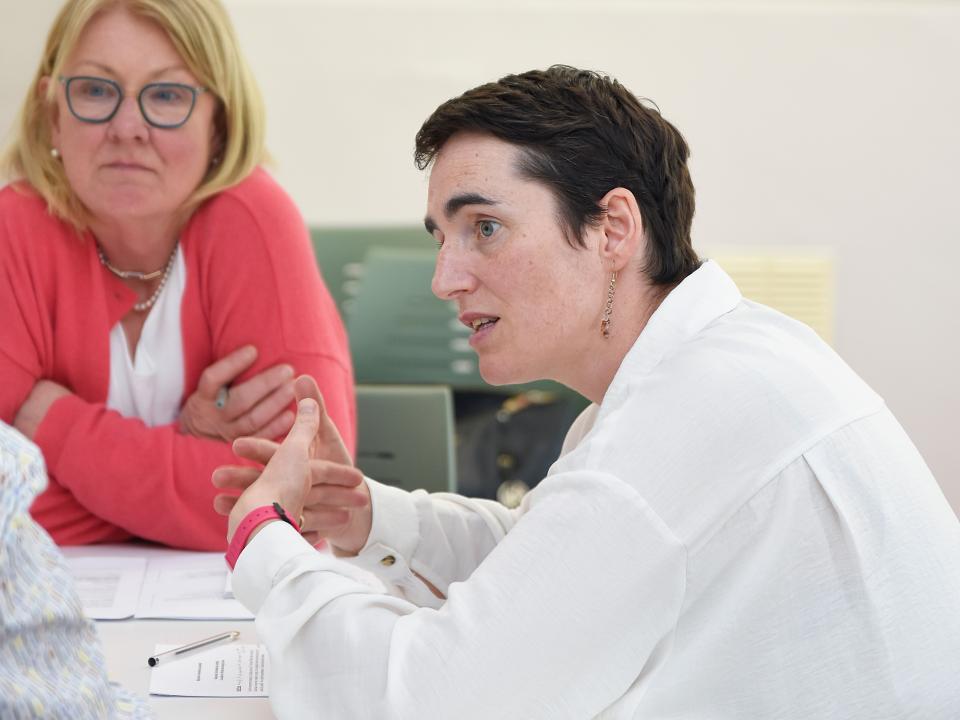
124, 169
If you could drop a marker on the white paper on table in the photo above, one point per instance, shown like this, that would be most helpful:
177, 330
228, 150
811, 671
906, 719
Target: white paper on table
109, 587
228, 586
232, 670
188, 588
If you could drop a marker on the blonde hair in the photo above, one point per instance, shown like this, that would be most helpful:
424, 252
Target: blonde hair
203, 35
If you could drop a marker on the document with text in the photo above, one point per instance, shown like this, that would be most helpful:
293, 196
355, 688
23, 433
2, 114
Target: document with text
124, 581
227, 671
189, 588
109, 587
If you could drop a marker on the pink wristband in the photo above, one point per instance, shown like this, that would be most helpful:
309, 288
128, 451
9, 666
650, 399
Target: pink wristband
247, 525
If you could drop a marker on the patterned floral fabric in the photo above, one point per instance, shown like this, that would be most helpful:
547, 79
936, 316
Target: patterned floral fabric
51, 664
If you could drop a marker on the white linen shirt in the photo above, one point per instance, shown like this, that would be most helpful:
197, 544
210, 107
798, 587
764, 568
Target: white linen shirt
740, 530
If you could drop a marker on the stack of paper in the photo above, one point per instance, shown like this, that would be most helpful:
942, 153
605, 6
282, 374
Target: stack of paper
182, 586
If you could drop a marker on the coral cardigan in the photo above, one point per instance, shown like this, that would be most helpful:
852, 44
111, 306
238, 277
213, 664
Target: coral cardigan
251, 278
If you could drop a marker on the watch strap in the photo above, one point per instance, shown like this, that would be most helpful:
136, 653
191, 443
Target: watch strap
250, 521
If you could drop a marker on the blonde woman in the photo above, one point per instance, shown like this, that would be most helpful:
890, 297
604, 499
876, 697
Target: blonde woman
157, 287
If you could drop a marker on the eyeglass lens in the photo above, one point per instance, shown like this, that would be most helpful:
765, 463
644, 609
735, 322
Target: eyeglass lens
97, 99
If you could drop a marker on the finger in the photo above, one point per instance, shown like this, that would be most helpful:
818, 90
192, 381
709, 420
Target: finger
260, 415
313, 537
234, 476
295, 446
325, 519
223, 504
286, 477
326, 495
278, 427
257, 449
305, 427
248, 394
330, 445
225, 370
306, 387
323, 472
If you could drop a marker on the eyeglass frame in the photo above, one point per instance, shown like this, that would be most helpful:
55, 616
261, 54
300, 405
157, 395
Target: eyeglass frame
195, 91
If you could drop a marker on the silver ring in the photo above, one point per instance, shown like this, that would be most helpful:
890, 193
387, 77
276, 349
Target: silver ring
223, 394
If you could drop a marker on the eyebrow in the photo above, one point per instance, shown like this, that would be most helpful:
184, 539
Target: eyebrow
454, 204
156, 73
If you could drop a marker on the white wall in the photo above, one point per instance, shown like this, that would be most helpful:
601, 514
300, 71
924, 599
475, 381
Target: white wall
820, 123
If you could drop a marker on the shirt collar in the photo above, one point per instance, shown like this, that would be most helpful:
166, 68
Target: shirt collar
702, 297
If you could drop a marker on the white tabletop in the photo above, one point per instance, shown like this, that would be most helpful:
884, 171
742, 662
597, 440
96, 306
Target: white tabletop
128, 643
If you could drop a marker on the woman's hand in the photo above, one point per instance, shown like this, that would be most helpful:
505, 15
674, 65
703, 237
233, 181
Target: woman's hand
34, 409
335, 505
286, 478
258, 407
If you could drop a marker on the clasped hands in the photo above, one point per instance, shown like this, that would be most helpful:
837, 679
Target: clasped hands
310, 474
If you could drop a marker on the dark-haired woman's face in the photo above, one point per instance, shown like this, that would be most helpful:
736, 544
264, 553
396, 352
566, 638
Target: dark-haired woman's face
534, 302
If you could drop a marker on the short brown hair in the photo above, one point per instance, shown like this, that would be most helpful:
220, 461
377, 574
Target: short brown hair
583, 134
201, 32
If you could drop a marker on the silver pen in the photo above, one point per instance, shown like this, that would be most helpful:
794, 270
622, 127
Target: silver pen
206, 642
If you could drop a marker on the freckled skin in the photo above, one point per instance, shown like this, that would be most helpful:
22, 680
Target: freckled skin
548, 295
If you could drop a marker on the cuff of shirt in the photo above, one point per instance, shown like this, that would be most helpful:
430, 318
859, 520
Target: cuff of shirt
262, 560
394, 527
392, 543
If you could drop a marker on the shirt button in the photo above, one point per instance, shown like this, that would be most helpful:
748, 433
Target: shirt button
388, 561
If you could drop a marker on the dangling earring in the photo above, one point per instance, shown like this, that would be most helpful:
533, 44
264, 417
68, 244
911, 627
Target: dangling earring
54, 153
608, 309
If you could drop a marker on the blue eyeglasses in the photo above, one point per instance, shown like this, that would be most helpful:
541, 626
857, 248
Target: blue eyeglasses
164, 105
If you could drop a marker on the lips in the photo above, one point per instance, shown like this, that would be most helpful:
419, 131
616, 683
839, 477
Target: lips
482, 323
121, 165
478, 321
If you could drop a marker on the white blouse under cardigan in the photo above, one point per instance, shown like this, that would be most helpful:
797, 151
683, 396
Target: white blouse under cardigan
740, 530
149, 385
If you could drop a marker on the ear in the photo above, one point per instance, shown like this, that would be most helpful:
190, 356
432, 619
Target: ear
622, 229
218, 132
53, 110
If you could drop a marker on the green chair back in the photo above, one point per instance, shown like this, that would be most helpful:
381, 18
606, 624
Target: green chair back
405, 436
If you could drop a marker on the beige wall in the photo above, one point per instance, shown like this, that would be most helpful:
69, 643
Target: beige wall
820, 123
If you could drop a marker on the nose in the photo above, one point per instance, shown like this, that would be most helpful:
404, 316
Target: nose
452, 275
128, 122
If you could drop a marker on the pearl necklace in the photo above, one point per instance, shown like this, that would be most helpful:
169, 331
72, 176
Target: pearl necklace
163, 274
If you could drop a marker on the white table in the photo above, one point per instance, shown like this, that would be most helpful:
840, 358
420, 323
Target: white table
128, 643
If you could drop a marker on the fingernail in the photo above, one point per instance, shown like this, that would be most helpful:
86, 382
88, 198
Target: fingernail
287, 372
249, 352
307, 406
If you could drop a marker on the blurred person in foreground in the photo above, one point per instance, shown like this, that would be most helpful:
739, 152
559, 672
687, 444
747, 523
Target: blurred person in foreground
51, 662
737, 527
157, 287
